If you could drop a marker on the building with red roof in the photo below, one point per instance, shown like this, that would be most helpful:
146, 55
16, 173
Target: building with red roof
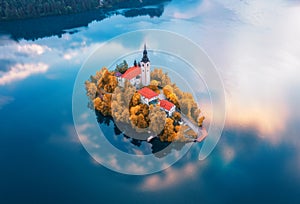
139, 74
148, 96
133, 75
167, 106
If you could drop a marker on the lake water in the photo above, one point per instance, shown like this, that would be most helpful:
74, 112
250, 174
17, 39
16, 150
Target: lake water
255, 46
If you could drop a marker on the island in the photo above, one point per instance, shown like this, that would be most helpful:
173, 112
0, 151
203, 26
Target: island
145, 102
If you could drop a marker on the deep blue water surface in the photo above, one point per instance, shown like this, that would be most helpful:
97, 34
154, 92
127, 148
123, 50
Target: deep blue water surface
255, 46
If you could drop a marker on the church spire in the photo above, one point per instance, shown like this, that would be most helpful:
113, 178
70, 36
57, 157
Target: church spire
145, 58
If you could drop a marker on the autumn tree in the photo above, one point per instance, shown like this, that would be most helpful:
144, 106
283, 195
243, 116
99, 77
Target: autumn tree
121, 102
162, 78
135, 99
91, 90
157, 119
98, 75
200, 121
171, 96
122, 68
168, 134
103, 104
21, 9
154, 88
154, 83
176, 116
108, 82
139, 115
132, 116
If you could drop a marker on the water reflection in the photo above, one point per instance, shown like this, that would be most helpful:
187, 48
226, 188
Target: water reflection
257, 52
33, 29
135, 146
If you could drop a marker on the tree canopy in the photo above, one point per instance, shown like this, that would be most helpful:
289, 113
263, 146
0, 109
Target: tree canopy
131, 115
21, 9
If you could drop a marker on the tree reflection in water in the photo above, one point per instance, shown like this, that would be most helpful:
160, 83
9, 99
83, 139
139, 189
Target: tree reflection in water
158, 148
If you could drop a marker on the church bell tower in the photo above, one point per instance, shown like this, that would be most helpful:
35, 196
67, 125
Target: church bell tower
145, 68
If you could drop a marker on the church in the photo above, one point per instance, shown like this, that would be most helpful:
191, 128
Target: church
139, 74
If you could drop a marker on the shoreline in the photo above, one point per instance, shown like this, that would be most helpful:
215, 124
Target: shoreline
57, 25
103, 10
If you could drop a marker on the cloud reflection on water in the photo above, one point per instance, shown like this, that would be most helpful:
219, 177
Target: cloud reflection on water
257, 53
259, 57
5, 100
22, 71
256, 47
171, 177
262, 62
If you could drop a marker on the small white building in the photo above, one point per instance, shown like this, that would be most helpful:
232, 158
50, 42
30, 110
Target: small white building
167, 106
148, 96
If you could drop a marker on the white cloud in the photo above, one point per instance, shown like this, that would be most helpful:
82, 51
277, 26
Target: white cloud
113, 162
70, 55
13, 50
228, 153
84, 136
136, 169
22, 71
84, 116
258, 61
23, 56
68, 135
79, 54
255, 12
255, 45
4, 100
171, 176
202, 6
32, 49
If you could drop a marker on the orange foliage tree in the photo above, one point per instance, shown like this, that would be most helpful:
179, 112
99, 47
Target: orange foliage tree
168, 134
103, 105
170, 95
108, 81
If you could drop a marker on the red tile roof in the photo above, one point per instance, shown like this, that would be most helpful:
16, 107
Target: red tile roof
167, 105
131, 73
147, 93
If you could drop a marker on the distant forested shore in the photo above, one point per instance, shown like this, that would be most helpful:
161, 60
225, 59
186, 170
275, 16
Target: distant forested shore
24, 9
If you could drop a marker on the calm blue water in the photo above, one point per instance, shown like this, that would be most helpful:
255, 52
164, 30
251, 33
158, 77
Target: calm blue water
255, 46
